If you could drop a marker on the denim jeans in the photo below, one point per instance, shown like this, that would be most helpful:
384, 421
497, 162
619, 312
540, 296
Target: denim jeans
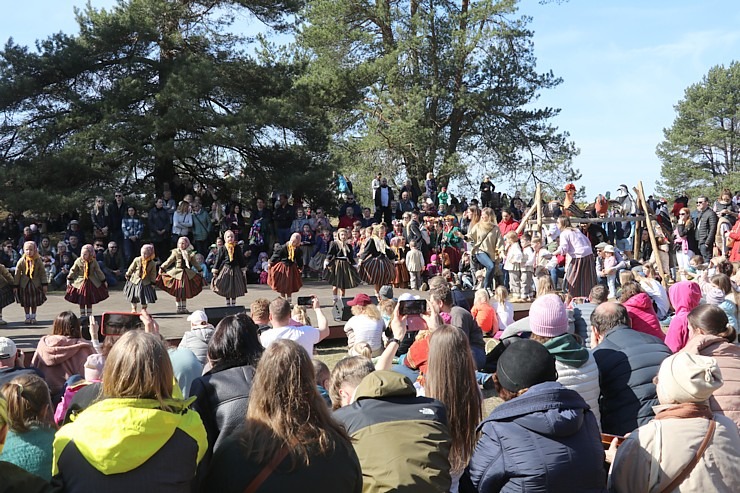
486, 262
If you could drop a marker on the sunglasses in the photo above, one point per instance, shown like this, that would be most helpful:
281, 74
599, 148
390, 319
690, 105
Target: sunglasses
699, 202
681, 213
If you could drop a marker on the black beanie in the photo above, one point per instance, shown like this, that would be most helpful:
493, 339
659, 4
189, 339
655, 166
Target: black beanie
523, 364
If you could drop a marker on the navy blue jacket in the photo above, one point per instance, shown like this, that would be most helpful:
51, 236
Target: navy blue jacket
628, 361
546, 440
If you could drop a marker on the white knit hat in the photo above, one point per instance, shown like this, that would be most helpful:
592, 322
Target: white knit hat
685, 377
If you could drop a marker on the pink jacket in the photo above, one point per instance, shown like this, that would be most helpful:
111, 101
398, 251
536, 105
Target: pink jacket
684, 296
60, 357
726, 399
642, 315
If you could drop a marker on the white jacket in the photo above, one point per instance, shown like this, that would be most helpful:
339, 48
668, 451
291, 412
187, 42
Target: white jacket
584, 380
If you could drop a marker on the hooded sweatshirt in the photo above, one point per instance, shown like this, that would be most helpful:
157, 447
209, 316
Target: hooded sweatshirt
389, 424
577, 370
60, 357
119, 443
642, 315
544, 440
684, 296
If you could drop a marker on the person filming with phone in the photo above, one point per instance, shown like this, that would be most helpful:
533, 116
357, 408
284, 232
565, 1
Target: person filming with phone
305, 335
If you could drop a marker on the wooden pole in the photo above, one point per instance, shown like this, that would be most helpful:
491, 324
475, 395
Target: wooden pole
651, 231
638, 241
525, 219
538, 201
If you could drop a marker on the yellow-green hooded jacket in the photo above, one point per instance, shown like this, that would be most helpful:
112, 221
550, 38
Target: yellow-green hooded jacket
130, 445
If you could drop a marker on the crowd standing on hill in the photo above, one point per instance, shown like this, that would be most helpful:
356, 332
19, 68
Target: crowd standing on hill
612, 383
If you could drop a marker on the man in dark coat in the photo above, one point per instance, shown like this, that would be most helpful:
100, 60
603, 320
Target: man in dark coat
706, 227
628, 361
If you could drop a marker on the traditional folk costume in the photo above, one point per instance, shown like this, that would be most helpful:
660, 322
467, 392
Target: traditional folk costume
284, 275
86, 285
6, 291
228, 276
140, 278
401, 278
375, 267
180, 276
340, 269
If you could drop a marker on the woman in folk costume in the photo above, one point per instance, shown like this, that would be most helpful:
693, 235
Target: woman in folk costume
401, 277
340, 266
140, 279
86, 282
228, 276
30, 281
180, 276
376, 267
6, 291
286, 263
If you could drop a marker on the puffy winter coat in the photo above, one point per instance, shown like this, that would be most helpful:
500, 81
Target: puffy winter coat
642, 315
726, 399
684, 296
628, 361
577, 370
545, 440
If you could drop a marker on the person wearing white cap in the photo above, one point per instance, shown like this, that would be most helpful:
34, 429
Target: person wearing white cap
197, 338
686, 445
11, 361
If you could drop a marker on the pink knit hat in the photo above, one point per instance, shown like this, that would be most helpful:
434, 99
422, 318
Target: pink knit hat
548, 317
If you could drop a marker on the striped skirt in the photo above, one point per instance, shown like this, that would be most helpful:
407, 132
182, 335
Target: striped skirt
378, 270
580, 276
284, 278
86, 295
7, 297
342, 275
230, 282
183, 288
140, 293
401, 278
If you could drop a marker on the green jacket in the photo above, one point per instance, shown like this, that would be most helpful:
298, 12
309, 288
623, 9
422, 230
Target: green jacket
402, 440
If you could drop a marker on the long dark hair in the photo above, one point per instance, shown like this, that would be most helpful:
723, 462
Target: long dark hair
235, 343
67, 324
712, 320
286, 410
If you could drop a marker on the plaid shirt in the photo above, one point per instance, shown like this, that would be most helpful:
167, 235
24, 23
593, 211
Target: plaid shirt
132, 226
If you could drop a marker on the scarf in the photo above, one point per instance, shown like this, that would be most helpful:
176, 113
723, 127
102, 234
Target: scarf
684, 411
30, 264
145, 264
230, 249
291, 252
87, 269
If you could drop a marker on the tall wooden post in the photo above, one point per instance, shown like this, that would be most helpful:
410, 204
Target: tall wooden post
651, 231
538, 202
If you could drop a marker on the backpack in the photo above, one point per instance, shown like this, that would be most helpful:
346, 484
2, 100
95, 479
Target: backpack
69, 393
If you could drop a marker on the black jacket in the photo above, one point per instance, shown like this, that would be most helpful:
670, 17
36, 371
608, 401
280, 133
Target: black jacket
159, 219
706, 227
628, 361
222, 396
378, 197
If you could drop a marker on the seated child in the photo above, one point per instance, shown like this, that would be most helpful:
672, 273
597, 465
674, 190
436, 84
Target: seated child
484, 313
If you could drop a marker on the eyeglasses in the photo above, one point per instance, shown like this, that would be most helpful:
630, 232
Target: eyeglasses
119, 195
699, 202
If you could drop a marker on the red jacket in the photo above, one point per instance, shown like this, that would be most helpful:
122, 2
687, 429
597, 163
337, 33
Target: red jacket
505, 227
735, 235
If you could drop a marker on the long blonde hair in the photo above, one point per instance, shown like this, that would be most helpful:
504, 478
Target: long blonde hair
138, 367
288, 411
371, 311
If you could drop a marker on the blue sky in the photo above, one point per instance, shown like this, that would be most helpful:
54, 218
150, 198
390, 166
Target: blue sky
625, 64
